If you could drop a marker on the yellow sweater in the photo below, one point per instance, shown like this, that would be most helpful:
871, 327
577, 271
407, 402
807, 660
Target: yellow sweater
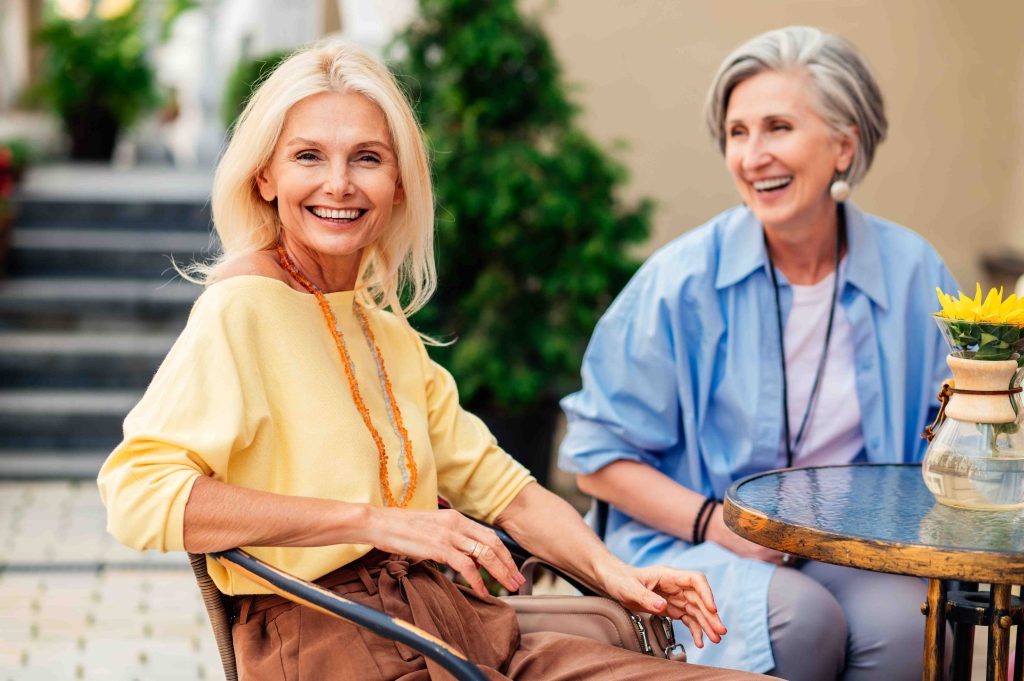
253, 393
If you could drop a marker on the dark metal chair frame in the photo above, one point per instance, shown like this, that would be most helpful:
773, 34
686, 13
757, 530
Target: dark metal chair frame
312, 595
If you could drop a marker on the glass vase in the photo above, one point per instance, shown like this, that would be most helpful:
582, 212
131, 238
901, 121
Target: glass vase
976, 458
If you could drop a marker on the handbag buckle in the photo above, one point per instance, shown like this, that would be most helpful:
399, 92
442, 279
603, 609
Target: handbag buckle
676, 651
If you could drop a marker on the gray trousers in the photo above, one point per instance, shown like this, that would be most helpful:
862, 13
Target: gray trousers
828, 622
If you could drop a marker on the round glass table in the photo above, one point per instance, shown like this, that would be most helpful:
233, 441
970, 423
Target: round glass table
881, 517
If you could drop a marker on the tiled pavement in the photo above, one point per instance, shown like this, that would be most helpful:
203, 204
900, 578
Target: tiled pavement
74, 604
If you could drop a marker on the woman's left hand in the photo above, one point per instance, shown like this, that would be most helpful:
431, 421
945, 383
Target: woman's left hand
681, 594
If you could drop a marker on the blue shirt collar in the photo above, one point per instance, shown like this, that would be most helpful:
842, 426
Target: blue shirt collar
742, 253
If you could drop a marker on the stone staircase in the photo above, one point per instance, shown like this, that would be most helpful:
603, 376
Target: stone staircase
91, 305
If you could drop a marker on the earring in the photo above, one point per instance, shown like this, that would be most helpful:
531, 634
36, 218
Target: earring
840, 190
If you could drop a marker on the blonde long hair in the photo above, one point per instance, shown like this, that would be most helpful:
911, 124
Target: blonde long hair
401, 261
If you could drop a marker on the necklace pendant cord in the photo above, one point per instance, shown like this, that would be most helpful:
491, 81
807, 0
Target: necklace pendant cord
793, 444
389, 397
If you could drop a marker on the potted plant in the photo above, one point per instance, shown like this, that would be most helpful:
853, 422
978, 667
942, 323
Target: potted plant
96, 78
533, 239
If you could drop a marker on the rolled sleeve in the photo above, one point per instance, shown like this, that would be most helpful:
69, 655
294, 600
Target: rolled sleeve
146, 500
589, 446
628, 408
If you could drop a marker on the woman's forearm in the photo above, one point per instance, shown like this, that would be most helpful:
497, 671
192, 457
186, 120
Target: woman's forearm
655, 499
645, 493
221, 516
549, 528
552, 530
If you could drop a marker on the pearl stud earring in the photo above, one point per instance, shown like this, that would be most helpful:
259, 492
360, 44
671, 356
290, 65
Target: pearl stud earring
840, 190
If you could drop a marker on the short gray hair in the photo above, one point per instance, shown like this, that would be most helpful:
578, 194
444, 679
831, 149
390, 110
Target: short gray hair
847, 92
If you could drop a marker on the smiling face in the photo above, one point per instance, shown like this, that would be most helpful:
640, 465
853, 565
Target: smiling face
334, 175
781, 152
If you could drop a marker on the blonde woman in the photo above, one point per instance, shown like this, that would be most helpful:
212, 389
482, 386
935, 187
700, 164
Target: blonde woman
299, 415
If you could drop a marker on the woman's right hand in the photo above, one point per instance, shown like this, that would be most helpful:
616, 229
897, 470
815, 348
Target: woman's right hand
720, 533
444, 536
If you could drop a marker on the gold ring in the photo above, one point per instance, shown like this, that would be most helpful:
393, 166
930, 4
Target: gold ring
478, 549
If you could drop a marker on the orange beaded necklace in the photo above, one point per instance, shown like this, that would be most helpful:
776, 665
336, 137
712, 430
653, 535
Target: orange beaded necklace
409, 467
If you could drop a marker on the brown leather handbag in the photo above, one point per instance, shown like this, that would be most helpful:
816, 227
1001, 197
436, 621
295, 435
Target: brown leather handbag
594, 617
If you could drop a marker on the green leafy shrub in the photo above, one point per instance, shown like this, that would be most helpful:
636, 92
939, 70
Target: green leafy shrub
533, 240
248, 73
15, 155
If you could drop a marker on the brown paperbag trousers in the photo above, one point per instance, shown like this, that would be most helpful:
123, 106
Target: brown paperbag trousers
276, 639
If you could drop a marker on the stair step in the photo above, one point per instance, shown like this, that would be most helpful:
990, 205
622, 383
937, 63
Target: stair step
91, 344
81, 360
105, 253
30, 213
68, 402
83, 303
106, 197
51, 464
63, 419
110, 240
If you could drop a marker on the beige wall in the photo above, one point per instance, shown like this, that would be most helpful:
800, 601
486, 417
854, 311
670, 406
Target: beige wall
952, 73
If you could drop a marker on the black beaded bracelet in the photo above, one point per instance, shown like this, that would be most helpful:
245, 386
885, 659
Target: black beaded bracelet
707, 521
699, 523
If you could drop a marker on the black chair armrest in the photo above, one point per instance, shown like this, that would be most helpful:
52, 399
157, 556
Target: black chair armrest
600, 516
521, 555
316, 597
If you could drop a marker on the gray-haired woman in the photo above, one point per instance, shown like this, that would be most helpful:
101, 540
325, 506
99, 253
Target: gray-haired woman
791, 331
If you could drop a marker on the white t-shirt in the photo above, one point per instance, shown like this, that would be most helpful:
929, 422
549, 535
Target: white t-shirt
833, 432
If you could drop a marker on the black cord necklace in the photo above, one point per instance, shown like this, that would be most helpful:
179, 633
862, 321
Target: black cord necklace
791, 445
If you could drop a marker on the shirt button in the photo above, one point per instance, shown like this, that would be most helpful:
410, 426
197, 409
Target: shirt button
875, 442
865, 365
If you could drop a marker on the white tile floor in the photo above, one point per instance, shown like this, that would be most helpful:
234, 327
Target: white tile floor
74, 604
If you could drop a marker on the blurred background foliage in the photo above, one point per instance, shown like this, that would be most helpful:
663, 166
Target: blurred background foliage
173, 9
14, 156
247, 74
533, 240
96, 76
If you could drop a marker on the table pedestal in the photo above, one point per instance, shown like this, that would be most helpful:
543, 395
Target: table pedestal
997, 616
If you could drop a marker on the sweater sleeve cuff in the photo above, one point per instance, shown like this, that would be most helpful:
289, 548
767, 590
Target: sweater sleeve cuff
174, 532
507, 490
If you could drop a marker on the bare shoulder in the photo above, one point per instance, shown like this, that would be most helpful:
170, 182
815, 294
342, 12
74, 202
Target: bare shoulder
260, 264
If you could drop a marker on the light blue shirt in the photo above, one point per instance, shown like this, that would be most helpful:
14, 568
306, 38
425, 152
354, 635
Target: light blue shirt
683, 373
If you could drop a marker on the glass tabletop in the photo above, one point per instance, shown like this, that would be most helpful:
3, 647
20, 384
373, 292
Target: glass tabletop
881, 507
